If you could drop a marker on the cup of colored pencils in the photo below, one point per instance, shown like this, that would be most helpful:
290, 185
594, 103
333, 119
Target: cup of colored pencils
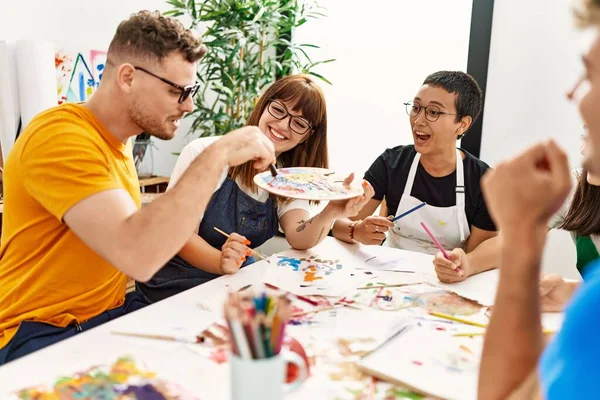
258, 361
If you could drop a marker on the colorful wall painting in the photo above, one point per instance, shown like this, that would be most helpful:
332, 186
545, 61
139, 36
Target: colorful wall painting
78, 74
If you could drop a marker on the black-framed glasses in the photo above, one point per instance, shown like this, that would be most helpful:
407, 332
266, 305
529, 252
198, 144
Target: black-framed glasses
432, 112
186, 91
297, 124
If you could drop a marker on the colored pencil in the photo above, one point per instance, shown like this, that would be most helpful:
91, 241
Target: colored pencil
456, 319
256, 323
256, 339
469, 334
241, 339
404, 214
435, 241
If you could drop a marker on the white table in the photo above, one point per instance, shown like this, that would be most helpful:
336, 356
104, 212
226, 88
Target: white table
179, 362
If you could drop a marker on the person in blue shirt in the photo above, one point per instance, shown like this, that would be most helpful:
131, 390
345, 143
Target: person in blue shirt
522, 195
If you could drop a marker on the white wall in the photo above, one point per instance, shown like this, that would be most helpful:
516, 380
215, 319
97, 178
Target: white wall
384, 51
535, 57
91, 24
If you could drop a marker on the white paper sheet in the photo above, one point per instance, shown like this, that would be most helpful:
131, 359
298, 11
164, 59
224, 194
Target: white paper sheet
36, 77
307, 273
431, 362
9, 97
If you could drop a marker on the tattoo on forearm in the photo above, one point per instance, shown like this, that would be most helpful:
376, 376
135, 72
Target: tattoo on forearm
320, 235
303, 224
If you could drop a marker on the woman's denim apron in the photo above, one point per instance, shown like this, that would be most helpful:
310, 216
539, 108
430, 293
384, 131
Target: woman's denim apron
231, 210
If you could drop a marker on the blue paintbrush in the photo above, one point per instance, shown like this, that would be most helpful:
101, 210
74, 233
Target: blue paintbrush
404, 214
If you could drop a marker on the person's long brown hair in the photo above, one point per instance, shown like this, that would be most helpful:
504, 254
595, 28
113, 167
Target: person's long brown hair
583, 216
307, 98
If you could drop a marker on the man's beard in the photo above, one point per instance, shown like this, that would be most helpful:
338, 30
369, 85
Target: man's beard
150, 123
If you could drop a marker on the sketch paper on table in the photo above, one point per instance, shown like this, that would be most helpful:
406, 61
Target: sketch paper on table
433, 363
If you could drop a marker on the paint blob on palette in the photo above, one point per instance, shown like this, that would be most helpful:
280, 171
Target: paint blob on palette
308, 184
422, 295
123, 380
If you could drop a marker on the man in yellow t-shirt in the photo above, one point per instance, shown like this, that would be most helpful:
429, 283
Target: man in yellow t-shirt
73, 228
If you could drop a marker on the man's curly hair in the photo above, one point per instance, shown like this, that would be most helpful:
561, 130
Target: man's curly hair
148, 35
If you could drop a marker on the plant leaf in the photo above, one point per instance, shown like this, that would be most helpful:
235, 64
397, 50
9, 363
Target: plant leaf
321, 77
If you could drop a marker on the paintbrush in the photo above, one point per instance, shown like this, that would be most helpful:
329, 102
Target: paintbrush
297, 296
385, 286
273, 169
256, 254
198, 339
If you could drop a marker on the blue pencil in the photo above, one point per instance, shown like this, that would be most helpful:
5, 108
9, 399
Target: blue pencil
404, 214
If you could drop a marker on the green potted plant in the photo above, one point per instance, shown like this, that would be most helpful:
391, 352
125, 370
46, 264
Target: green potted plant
249, 46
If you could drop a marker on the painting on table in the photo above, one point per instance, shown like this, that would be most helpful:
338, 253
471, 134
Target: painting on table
305, 273
123, 380
423, 295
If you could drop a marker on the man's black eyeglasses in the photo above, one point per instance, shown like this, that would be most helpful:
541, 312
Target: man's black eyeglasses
186, 91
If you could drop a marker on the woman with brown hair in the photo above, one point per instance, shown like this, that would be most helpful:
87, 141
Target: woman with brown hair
292, 114
581, 217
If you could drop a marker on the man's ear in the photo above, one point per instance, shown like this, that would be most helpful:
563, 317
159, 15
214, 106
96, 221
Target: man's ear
125, 76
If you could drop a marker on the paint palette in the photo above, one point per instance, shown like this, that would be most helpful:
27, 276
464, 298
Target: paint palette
308, 184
